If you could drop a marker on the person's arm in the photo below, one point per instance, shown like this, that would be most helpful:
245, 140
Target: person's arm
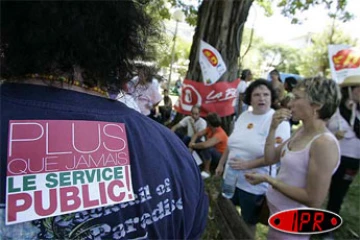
280, 137
272, 153
180, 124
220, 167
196, 136
207, 144
240, 164
324, 155
175, 127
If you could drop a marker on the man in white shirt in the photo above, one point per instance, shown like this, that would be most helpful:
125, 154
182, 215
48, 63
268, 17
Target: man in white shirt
194, 124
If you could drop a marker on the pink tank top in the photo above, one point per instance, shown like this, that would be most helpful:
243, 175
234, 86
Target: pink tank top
293, 171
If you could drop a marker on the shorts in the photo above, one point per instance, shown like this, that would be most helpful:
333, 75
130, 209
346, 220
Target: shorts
250, 205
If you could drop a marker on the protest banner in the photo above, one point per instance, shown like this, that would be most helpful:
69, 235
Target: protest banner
211, 63
344, 61
217, 98
55, 167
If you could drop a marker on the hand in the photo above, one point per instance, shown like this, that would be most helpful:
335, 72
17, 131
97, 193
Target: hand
280, 115
349, 104
255, 178
219, 170
340, 134
191, 145
238, 164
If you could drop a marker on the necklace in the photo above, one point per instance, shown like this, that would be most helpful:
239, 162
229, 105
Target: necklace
75, 83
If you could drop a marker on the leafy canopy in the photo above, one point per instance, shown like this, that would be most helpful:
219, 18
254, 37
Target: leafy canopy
290, 8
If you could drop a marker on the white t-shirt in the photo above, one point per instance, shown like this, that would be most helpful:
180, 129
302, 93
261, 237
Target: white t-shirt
240, 89
145, 95
349, 145
200, 125
129, 101
247, 141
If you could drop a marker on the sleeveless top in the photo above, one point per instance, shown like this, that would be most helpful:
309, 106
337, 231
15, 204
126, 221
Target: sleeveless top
293, 171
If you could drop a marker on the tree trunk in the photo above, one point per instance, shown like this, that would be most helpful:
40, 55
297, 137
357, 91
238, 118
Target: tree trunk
220, 23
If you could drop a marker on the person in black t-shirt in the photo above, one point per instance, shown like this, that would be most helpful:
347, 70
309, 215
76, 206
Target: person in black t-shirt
79, 164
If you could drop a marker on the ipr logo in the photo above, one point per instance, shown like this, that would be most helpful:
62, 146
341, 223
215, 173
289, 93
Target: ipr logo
305, 221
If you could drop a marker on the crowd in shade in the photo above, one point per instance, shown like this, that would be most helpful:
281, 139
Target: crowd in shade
91, 149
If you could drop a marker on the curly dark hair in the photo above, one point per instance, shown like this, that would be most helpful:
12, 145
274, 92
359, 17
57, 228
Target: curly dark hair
102, 37
255, 84
213, 119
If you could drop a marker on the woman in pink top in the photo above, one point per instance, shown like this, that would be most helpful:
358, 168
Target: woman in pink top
309, 158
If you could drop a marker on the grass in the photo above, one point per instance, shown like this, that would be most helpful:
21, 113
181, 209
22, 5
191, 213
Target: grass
350, 213
212, 186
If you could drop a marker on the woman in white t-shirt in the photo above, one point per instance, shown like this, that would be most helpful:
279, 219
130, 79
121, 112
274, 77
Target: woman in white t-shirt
246, 145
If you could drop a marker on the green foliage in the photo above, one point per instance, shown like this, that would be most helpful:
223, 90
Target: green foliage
249, 51
266, 5
190, 10
314, 59
292, 8
255, 53
159, 12
283, 58
350, 213
262, 54
158, 9
182, 52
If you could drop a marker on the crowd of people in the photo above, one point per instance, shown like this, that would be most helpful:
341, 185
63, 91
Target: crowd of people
59, 60
283, 167
275, 164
